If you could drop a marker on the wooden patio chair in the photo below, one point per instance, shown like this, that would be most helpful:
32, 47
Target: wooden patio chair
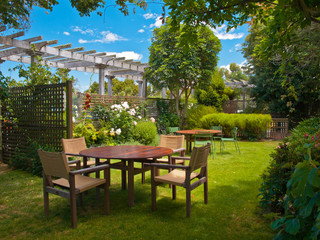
176, 143
73, 146
55, 165
182, 176
232, 139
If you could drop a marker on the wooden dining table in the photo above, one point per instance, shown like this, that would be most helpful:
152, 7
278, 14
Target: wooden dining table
128, 154
190, 133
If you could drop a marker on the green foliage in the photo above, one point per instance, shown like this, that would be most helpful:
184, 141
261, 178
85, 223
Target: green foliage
166, 117
145, 132
286, 84
252, 126
30, 160
213, 93
178, 69
292, 182
196, 112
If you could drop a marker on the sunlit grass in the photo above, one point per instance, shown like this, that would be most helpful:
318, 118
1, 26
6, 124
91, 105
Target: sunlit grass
231, 213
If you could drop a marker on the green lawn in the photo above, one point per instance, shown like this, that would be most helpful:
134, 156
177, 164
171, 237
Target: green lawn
232, 214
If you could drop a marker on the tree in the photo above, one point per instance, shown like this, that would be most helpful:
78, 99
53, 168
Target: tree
212, 93
119, 88
180, 69
287, 85
284, 16
235, 73
16, 13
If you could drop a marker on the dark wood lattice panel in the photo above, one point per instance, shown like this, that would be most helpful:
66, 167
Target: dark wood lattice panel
279, 128
40, 111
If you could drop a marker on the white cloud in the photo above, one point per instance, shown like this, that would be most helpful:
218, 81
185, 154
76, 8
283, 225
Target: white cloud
66, 33
158, 23
239, 64
237, 47
141, 31
221, 33
149, 15
87, 31
106, 37
128, 55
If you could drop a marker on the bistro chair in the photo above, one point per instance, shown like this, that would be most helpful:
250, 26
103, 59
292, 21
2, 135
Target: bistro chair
218, 136
183, 176
173, 130
55, 165
72, 148
203, 138
232, 139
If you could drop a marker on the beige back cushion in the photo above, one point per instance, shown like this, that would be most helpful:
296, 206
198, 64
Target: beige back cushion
199, 157
74, 145
54, 164
172, 141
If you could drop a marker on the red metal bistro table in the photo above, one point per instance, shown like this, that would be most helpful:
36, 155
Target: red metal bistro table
127, 154
190, 133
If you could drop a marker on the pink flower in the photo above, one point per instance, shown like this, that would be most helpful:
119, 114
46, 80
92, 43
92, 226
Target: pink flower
312, 138
306, 135
152, 119
316, 145
134, 123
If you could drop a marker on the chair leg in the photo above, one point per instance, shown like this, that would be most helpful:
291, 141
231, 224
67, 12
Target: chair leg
174, 192
188, 201
73, 203
205, 186
153, 190
106, 191
46, 202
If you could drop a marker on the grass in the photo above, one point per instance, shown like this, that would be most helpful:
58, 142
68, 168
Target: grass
231, 213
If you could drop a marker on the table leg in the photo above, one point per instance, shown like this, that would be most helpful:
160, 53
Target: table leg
123, 175
97, 176
188, 143
130, 183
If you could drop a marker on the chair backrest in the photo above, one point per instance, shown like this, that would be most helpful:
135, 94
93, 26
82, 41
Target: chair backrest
172, 141
199, 157
54, 164
173, 129
217, 128
74, 145
203, 136
234, 132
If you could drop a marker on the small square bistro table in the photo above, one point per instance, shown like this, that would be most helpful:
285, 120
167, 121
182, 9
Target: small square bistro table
128, 154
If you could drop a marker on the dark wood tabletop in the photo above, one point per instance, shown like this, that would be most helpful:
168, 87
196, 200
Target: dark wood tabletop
127, 152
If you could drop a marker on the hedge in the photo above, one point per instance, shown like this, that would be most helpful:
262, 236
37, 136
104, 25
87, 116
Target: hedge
250, 126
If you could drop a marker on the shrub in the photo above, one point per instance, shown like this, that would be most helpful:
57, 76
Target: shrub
145, 132
195, 113
166, 116
30, 160
251, 126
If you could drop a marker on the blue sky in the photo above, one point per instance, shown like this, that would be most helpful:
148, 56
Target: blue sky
128, 36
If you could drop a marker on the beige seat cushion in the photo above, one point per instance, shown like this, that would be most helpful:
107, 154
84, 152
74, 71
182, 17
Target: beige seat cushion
165, 160
176, 177
83, 183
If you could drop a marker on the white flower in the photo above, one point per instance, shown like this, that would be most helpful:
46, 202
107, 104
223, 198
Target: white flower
118, 131
132, 112
76, 113
139, 117
73, 119
134, 123
152, 119
125, 105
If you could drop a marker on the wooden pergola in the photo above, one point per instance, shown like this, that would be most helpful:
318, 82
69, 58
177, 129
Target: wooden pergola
64, 56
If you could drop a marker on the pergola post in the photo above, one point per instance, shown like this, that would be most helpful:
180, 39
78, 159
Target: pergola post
144, 92
101, 81
110, 84
163, 93
140, 84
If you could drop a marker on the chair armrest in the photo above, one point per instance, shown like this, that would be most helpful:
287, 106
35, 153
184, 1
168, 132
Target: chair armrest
179, 150
89, 170
74, 161
166, 166
73, 154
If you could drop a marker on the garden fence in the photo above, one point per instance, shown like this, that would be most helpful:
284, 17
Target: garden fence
43, 113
